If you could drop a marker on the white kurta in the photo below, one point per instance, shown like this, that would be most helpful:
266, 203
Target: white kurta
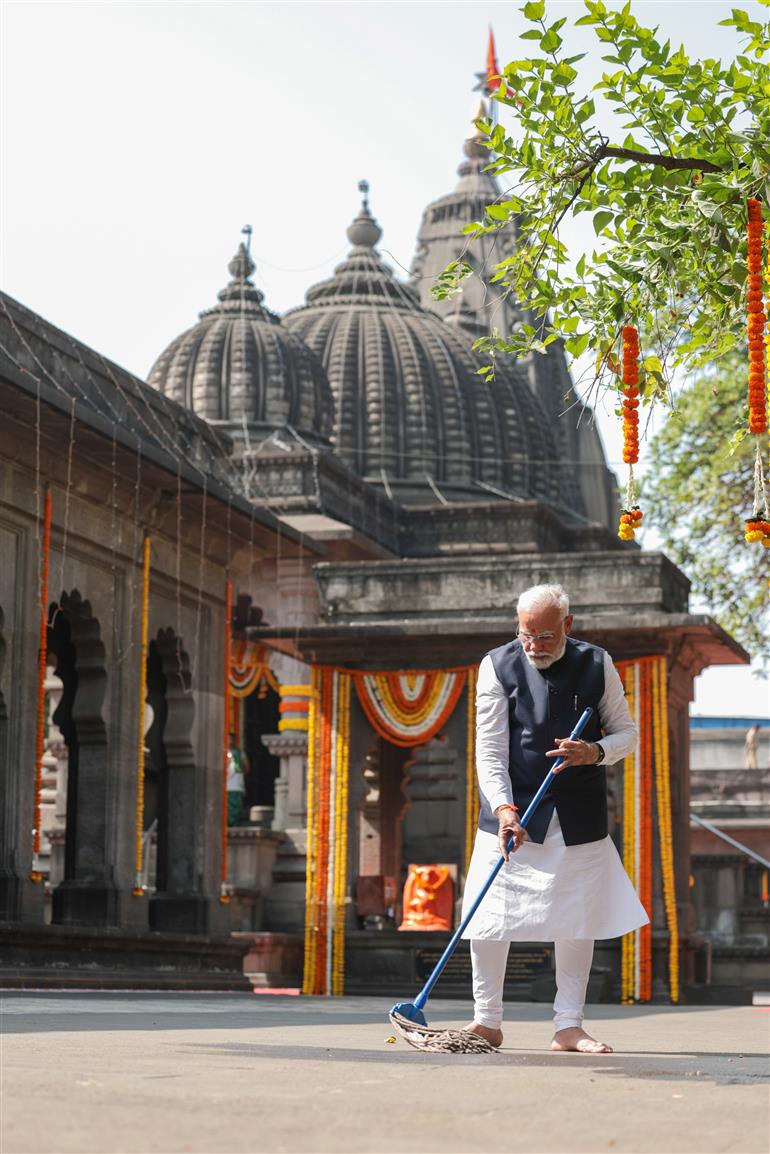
553, 890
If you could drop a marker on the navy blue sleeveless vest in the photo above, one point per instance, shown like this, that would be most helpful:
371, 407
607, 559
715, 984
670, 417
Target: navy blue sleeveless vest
543, 705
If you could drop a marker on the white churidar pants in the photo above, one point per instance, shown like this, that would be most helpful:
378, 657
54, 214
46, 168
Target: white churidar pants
572, 957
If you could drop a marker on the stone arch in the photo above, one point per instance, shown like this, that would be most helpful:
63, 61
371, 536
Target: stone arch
177, 905
87, 893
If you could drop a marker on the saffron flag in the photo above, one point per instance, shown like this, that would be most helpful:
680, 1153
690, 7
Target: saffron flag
493, 70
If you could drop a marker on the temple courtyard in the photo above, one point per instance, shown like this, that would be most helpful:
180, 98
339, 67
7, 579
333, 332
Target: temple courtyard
139, 1072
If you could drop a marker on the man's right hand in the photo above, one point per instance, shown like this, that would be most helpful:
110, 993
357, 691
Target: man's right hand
508, 827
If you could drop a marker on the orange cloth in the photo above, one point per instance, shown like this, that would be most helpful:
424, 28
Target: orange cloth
428, 898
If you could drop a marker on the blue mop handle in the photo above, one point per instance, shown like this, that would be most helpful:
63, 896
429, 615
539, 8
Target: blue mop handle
424, 994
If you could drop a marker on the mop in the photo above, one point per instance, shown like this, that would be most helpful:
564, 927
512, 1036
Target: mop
408, 1017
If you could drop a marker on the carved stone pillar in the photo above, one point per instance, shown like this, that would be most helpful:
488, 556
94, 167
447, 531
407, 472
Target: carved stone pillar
180, 903
88, 894
285, 905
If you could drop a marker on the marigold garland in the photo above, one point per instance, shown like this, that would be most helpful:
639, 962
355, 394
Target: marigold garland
756, 321
409, 712
138, 890
311, 914
646, 777
665, 832
327, 845
757, 527
631, 516
42, 663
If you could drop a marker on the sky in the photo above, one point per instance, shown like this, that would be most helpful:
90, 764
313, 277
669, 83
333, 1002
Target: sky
139, 138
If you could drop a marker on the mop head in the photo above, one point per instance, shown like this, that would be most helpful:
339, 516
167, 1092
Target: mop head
439, 1041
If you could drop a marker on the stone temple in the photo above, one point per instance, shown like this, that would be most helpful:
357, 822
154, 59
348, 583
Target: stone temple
290, 549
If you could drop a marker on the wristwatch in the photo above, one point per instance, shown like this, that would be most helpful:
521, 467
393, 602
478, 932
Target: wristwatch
600, 758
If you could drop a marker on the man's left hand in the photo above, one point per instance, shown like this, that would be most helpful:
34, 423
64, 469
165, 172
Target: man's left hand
574, 753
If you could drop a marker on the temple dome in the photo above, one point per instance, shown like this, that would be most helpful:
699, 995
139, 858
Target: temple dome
240, 364
411, 413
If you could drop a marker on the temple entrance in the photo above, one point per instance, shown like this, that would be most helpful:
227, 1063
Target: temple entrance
260, 716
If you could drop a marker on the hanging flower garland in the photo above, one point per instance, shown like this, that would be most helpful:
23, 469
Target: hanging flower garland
646, 777
42, 662
327, 845
631, 516
758, 525
665, 831
409, 709
138, 890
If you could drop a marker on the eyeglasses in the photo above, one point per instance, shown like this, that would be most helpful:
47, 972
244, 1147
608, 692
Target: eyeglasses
546, 636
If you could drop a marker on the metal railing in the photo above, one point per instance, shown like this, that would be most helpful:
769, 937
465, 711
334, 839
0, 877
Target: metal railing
730, 840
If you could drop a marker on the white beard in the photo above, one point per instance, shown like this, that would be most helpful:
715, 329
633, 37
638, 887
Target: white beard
546, 660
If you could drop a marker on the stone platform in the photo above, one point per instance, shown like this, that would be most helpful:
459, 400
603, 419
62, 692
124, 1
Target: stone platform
74, 957
234, 1074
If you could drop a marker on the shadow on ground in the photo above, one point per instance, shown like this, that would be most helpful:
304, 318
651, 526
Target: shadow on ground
720, 1068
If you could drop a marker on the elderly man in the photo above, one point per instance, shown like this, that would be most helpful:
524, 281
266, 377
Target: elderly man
564, 881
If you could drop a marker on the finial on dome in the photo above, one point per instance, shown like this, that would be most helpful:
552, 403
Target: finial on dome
474, 146
241, 266
246, 231
364, 231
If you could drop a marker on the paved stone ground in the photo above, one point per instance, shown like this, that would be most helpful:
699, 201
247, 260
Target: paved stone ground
114, 1073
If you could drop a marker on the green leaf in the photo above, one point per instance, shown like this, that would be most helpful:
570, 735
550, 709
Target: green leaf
602, 219
534, 10
576, 346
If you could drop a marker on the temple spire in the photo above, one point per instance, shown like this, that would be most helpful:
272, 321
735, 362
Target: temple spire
364, 232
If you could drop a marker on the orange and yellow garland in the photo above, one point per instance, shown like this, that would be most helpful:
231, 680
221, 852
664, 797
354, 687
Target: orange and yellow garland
409, 708
138, 890
631, 516
757, 526
42, 662
327, 831
647, 779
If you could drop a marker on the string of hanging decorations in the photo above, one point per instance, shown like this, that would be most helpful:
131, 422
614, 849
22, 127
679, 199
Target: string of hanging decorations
409, 708
138, 890
647, 793
631, 515
758, 525
249, 670
327, 831
42, 662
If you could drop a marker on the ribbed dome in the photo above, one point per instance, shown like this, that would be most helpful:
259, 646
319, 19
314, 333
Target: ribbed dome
410, 411
239, 362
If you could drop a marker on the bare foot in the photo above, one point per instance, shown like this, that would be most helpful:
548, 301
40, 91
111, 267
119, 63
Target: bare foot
494, 1037
575, 1038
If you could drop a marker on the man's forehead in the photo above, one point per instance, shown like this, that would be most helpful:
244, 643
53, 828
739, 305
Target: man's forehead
552, 613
